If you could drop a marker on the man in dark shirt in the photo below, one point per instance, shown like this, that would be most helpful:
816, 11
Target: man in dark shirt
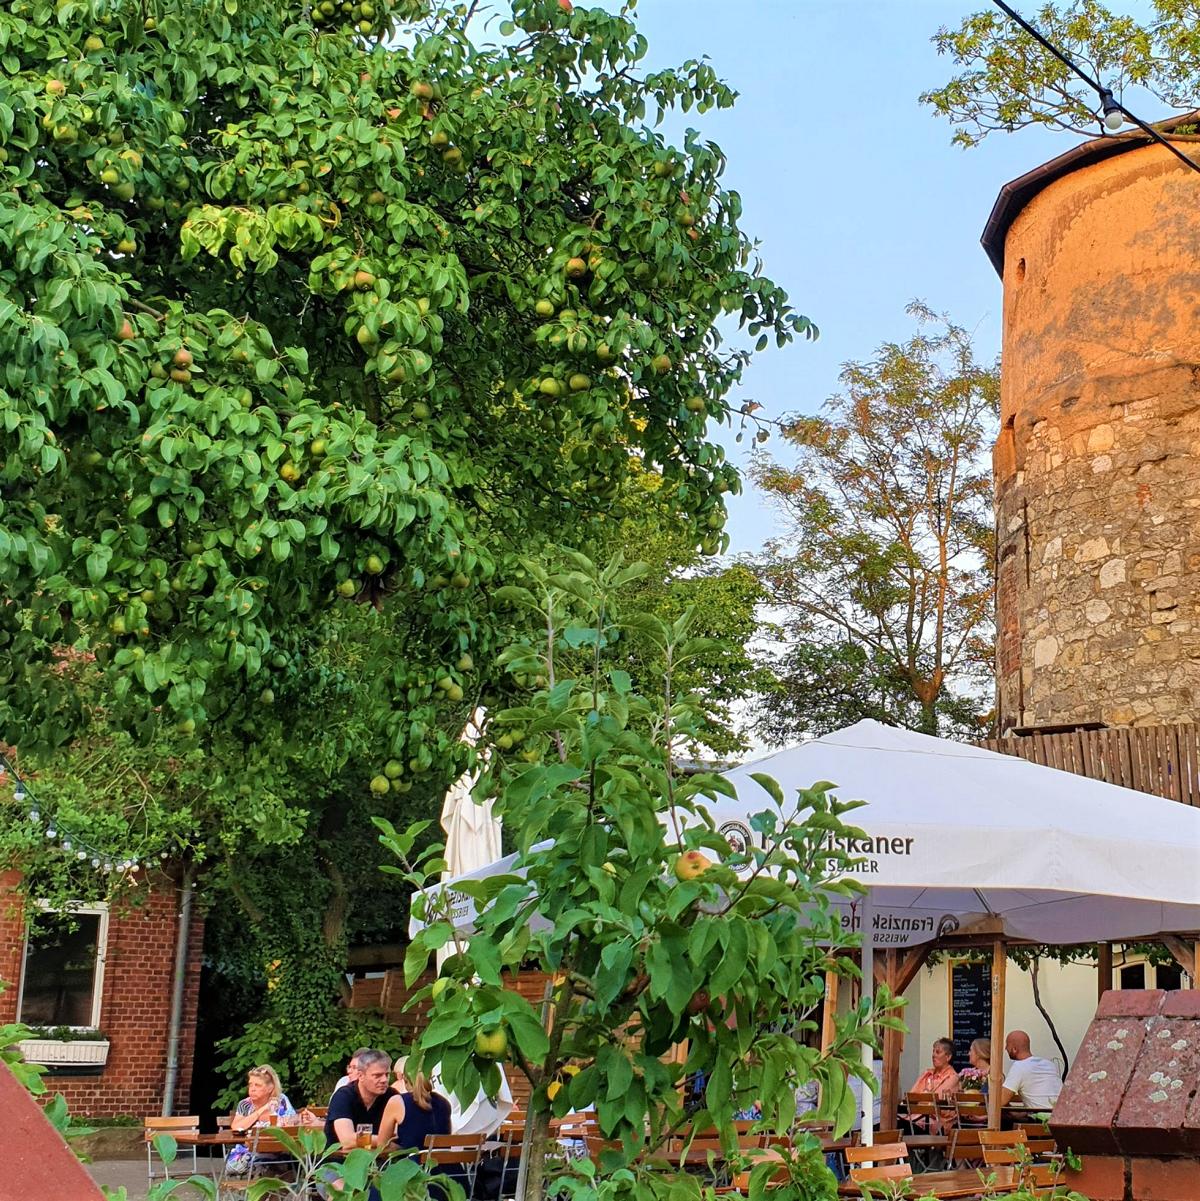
361, 1103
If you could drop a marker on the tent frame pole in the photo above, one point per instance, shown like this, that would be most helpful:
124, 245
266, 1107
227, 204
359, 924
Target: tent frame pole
868, 995
996, 1075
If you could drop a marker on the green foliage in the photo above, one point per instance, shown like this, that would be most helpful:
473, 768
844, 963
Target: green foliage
29, 1075
353, 1178
271, 340
1006, 81
885, 572
649, 944
308, 1044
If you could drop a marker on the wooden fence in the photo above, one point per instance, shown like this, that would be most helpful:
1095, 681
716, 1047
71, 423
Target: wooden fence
391, 996
1163, 760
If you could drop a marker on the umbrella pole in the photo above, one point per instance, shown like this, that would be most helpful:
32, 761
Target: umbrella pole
996, 1075
868, 994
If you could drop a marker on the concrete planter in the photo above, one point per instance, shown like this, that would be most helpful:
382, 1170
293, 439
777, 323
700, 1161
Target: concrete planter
70, 1053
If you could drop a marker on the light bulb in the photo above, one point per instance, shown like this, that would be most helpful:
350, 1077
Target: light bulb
34, 815
95, 861
1111, 111
81, 854
19, 793
50, 831
66, 844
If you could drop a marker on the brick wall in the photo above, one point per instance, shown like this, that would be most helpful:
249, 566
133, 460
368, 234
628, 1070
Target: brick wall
135, 1006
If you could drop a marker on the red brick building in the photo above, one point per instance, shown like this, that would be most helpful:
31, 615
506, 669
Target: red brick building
109, 972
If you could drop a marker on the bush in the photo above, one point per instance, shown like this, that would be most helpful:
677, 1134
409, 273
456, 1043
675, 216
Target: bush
308, 1057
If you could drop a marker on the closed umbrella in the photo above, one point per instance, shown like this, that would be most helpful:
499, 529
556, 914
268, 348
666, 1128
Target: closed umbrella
472, 830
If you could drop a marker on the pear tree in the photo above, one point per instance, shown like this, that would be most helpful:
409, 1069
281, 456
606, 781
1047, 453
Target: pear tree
313, 305
669, 954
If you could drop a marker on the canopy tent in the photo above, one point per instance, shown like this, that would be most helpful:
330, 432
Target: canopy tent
959, 835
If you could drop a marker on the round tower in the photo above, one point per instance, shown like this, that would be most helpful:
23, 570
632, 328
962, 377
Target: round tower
1097, 466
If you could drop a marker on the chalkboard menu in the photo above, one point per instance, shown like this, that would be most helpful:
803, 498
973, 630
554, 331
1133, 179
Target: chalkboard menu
970, 1007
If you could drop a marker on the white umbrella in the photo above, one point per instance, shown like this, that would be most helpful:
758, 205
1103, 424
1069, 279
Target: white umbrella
472, 842
472, 831
957, 835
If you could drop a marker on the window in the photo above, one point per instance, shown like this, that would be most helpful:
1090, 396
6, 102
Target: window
1133, 975
64, 968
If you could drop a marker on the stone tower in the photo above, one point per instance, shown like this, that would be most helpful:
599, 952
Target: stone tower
1097, 465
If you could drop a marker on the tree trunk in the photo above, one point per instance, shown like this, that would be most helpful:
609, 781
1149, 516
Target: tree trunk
535, 1169
1037, 1000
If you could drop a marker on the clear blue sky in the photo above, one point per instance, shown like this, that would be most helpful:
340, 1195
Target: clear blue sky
852, 186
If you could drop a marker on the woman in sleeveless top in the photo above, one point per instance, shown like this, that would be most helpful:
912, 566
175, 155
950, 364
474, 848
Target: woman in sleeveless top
416, 1112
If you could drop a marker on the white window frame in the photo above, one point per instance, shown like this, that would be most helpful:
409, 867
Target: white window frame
100, 909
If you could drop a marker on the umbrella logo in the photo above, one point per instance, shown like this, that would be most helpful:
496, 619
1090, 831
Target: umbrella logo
738, 835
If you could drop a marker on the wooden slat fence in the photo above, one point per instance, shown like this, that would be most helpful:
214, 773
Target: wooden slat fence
390, 995
1163, 760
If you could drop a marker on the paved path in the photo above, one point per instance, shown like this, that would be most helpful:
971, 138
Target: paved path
131, 1173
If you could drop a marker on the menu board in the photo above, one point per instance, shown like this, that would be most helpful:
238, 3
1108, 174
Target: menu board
970, 1006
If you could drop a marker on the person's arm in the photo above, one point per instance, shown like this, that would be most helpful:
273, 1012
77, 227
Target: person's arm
1006, 1095
343, 1131
341, 1121
251, 1117
393, 1115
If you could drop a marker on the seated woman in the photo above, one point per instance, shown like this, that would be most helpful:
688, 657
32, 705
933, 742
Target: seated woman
941, 1080
264, 1099
976, 1076
416, 1111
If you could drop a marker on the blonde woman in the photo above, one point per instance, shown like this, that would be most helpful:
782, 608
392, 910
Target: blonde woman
264, 1099
416, 1111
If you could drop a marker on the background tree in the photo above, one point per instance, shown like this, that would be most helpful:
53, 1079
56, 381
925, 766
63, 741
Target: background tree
1006, 81
885, 571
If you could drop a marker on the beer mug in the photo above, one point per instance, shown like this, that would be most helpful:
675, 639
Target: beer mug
362, 1135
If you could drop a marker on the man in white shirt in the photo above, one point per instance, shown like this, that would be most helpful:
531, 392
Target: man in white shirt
351, 1071
1031, 1080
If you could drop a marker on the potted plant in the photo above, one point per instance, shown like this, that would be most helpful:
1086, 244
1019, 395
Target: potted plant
65, 1047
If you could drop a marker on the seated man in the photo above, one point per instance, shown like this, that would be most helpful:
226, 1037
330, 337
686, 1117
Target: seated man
361, 1103
1031, 1080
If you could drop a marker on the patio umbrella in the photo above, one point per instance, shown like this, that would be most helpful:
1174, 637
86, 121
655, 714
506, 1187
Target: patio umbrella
472, 832
956, 836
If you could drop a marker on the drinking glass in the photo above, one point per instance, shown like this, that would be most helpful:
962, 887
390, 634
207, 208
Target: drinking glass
362, 1135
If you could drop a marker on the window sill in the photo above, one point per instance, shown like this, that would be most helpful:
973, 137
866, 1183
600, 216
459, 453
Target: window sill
53, 1053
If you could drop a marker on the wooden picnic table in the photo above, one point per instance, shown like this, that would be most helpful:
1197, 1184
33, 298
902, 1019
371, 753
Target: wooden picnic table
222, 1138
956, 1182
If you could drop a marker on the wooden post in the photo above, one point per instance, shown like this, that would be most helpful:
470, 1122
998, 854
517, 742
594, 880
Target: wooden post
1104, 970
996, 1078
831, 1000
893, 1045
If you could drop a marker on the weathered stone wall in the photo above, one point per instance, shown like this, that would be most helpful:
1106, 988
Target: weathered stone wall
1098, 461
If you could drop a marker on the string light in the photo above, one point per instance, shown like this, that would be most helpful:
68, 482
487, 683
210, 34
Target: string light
71, 843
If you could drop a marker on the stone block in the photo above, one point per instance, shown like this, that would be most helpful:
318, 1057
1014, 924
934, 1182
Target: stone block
1091, 550
1095, 1087
1151, 1117
1112, 573
1101, 1179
